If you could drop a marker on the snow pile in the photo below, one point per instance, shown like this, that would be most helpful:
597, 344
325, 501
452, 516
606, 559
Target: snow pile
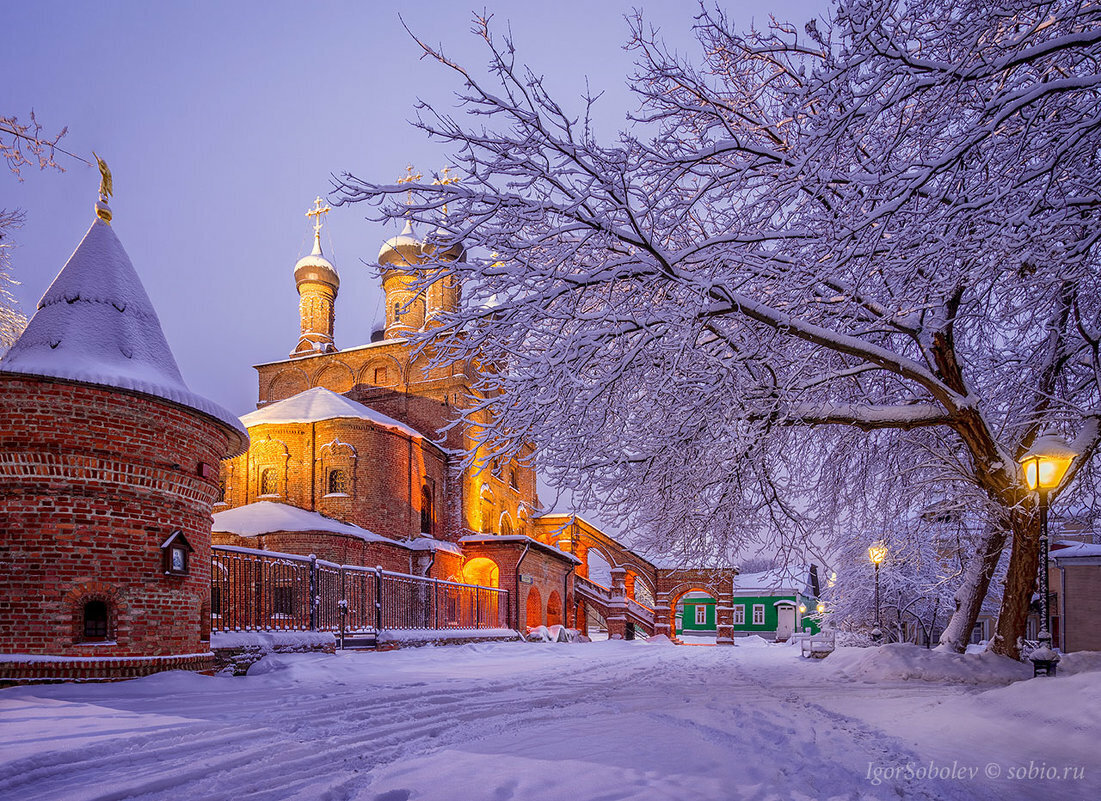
317, 404
905, 662
1066, 704
266, 517
1079, 662
271, 640
96, 325
659, 639
555, 633
442, 635
754, 641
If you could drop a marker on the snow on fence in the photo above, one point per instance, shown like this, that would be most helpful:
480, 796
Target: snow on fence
253, 590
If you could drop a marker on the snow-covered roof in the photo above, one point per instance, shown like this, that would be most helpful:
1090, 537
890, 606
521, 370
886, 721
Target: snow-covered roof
96, 325
542, 546
1076, 550
405, 245
433, 544
315, 266
780, 580
266, 517
318, 404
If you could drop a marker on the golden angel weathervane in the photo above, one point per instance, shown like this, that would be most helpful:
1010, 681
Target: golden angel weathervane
106, 189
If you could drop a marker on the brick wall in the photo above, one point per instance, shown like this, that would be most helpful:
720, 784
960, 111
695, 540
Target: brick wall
92, 482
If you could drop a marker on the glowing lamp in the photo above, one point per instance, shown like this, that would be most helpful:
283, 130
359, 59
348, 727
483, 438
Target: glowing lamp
802, 609
1046, 462
877, 553
821, 607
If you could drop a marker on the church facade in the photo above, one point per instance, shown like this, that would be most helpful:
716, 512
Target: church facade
364, 436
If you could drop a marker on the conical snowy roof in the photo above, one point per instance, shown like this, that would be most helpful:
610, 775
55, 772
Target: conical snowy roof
95, 325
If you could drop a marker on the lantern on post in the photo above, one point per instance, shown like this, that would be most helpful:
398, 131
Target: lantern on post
1045, 465
877, 553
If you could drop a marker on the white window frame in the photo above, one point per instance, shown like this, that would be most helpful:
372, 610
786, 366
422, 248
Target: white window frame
701, 615
758, 614
739, 615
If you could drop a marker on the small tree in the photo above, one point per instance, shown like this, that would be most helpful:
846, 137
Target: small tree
20, 145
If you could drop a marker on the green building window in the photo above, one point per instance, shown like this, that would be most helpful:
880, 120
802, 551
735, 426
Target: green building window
739, 615
758, 614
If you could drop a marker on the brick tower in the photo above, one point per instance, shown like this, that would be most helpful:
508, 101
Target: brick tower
108, 470
318, 283
409, 306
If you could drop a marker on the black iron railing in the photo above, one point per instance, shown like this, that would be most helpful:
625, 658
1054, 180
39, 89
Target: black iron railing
252, 590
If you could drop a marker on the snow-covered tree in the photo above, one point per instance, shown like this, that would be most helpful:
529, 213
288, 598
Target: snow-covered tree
20, 145
808, 256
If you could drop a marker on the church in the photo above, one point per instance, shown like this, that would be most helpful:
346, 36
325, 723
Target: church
363, 435
138, 519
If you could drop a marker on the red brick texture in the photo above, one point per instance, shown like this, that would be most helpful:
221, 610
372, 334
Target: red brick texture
92, 482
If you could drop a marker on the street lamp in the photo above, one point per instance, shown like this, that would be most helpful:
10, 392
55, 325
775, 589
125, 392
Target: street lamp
1045, 464
877, 553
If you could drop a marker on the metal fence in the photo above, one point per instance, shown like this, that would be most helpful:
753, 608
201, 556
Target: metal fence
253, 590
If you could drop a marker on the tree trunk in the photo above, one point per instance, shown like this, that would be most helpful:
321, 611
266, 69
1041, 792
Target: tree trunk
1020, 583
972, 592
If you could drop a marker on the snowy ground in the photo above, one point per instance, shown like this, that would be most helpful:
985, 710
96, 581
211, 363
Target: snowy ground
555, 722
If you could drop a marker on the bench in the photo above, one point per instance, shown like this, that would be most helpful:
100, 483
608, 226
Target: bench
818, 645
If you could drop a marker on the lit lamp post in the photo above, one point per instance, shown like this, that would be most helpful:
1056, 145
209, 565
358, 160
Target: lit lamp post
877, 553
1045, 465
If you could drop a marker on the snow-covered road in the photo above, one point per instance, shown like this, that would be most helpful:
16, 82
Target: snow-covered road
563, 722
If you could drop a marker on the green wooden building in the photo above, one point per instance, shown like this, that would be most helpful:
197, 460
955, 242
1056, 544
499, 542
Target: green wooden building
777, 603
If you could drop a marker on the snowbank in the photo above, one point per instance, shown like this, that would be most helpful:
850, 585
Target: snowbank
271, 639
905, 662
1079, 662
440, 635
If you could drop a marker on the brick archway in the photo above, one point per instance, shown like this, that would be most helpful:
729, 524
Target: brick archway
674, 600
534, 614
674, 584
554, 609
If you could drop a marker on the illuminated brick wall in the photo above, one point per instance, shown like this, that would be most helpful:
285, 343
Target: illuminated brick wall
92, 482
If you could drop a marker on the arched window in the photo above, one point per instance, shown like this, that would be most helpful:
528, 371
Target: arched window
221, 492
95, 621
514, 478
506, 526
338, 482
269, 481
426, 511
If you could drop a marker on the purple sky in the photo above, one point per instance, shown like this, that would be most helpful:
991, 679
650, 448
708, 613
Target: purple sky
222, 121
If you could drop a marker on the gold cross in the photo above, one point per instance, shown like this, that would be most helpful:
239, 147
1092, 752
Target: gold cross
317, 211
409, 178
444, 181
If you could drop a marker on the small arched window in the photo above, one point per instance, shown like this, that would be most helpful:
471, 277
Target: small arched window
95, 621
506, 527
426, 511
269, 481
338, 482
221, 492
514, 478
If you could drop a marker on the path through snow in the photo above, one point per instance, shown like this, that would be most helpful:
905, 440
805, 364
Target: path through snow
543, 722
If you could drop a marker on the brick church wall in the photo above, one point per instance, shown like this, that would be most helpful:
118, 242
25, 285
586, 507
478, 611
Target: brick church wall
92, 482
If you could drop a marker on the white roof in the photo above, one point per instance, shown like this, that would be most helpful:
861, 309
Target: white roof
318, 404
96, 325
1076, 549
265, 517
406, 239
787, 580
